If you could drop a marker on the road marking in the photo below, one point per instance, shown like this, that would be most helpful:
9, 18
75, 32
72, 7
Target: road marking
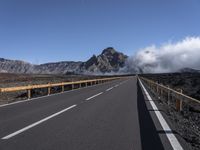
116, 85
36, 123
94, 96
40, 97
109, 89
124, 81
21, 101
171, 137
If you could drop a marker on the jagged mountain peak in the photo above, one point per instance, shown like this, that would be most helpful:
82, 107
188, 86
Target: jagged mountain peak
109, 51
109, 60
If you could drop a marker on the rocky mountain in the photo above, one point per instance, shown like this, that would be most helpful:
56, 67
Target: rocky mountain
15, 66
109, 60
64, 67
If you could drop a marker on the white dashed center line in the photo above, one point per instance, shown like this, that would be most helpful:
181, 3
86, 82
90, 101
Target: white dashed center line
37, 123
116, 85
109, 89
94, 96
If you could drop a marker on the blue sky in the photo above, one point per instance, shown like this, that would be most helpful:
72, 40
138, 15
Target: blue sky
42, 31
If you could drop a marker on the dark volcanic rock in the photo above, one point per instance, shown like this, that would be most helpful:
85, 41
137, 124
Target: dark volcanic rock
188, 82
187, 122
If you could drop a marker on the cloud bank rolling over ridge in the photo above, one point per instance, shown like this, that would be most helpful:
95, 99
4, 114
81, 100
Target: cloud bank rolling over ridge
169, 57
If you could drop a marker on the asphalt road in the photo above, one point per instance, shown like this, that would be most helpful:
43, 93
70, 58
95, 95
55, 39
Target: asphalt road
109, 116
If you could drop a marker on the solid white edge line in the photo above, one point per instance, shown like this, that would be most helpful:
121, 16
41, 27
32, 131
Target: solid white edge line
171, 137
109, 89
36, 123
94, 96
3, 105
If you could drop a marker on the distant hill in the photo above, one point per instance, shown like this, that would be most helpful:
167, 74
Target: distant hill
188, 70
109, 60
15, 66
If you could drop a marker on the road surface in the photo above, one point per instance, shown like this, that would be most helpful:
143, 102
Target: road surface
112, 116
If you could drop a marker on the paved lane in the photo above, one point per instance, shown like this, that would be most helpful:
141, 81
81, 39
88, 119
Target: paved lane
112, 116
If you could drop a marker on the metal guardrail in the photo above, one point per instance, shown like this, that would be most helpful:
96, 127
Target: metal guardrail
164, 92
29, 88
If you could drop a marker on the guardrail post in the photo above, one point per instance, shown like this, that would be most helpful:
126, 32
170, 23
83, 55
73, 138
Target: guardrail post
157, 88
49, 89
168, 95
161, 93
158, 91
63, 88
179, 103
29, 93
150, 85
175, 97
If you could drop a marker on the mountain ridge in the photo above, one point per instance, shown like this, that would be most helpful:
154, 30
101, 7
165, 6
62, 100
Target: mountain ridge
110, 60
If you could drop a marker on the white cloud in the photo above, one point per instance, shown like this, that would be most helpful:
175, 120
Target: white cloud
169, 57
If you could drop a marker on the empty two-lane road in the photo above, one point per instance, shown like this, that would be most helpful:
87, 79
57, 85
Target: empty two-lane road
110, 116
